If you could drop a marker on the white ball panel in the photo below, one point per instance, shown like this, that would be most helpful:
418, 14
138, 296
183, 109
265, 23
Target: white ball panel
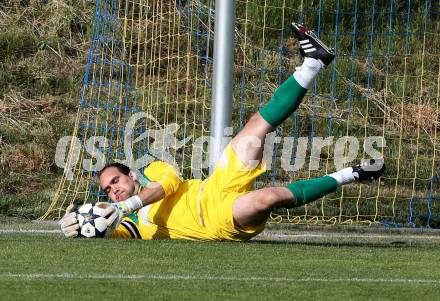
80, 219
88, 230
85, 208
100, 224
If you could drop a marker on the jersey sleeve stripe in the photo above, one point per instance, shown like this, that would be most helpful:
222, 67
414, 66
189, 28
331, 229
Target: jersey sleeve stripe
131, 228
135, 228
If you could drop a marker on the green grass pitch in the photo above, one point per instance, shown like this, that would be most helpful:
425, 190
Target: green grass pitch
36, 264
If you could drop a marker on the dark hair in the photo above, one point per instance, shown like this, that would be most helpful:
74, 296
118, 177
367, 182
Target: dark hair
121, 167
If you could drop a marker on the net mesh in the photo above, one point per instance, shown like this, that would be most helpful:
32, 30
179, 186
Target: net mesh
153, 59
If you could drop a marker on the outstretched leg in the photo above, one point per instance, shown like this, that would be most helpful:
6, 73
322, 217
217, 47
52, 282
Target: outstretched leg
248, 143
253, 209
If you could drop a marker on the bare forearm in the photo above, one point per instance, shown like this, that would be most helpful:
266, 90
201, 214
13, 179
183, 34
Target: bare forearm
153, 193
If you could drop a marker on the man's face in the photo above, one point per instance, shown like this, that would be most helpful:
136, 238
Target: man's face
116, 185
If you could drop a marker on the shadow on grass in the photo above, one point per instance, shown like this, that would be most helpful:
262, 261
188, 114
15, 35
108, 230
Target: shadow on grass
391, 244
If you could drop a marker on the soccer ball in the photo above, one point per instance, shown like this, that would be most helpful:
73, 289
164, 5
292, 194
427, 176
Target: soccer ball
91, 221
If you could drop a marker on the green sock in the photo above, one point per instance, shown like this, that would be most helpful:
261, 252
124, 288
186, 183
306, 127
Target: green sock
307, 191
284, 102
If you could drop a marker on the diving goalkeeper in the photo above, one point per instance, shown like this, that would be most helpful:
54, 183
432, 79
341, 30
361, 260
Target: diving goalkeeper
224, 206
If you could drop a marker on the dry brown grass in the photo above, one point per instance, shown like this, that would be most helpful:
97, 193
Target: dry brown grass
418, 116
19, 111
399, 117
19, 161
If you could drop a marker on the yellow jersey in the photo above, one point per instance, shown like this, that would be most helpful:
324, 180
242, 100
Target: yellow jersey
193, 209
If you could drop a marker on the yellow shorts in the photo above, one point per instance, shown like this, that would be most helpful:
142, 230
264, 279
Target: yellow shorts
230, 179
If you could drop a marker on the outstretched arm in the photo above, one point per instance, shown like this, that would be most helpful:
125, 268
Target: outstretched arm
151, 194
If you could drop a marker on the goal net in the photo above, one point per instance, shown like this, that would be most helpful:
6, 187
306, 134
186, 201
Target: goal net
147, 95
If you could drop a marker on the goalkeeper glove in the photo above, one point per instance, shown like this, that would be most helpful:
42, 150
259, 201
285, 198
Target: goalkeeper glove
114, 212
112, 216
69, 223
128, 206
